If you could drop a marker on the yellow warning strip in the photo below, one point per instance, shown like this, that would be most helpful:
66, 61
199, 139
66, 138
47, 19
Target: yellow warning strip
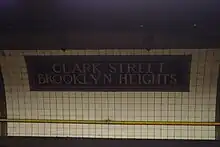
111, 122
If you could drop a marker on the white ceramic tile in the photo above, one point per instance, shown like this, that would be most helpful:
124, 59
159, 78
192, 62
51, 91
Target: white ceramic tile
197, 105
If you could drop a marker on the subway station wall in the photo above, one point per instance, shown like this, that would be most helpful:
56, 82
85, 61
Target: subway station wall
197, 105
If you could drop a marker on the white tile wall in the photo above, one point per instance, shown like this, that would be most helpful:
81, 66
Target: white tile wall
196, 105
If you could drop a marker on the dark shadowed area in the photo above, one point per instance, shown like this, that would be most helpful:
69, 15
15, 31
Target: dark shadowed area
52, 24
88, 142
